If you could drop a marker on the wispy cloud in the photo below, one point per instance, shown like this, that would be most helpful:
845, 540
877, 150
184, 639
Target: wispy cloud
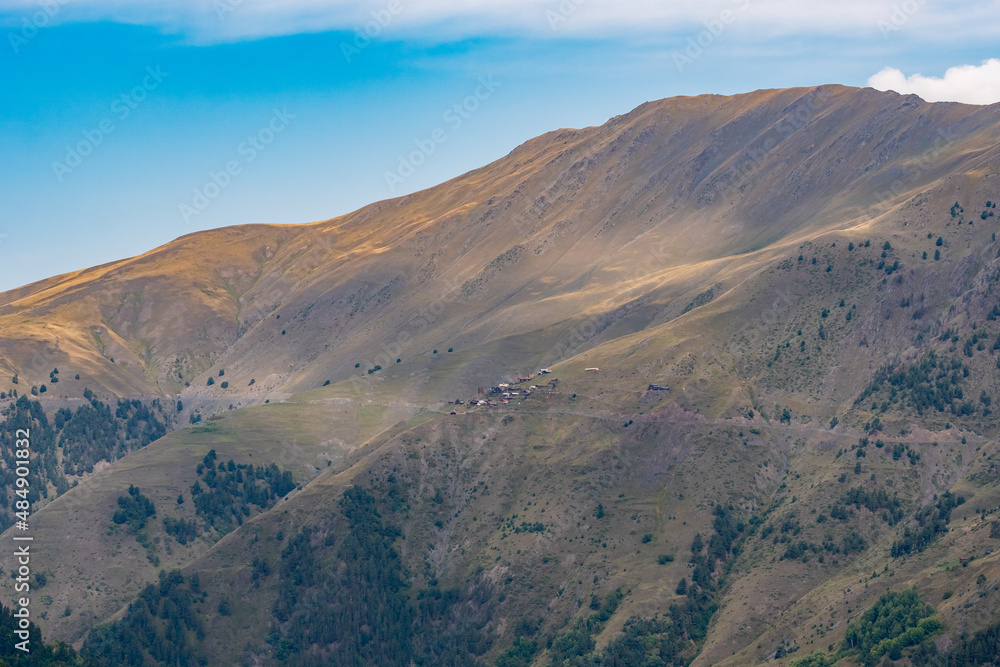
970, 84
214, 20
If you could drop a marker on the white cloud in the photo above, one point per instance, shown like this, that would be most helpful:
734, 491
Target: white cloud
212, 20
966, 83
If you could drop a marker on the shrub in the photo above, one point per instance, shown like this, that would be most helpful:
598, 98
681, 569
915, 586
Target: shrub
894, 622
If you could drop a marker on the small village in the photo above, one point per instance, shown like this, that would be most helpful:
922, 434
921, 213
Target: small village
505, 392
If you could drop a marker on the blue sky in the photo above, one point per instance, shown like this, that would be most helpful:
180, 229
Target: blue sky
128, 124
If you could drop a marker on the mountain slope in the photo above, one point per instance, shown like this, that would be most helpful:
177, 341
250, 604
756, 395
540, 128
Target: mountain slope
810, 272
647, 208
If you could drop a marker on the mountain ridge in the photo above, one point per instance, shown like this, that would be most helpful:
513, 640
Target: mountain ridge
807, 273
345, 237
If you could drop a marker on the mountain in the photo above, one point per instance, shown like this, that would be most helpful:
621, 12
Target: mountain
788, 297
652, 205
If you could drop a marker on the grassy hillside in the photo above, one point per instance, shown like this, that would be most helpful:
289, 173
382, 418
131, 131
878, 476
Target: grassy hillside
99, 566
790, 435
669, 203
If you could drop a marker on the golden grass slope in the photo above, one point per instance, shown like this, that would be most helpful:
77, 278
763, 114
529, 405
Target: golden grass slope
650, 206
